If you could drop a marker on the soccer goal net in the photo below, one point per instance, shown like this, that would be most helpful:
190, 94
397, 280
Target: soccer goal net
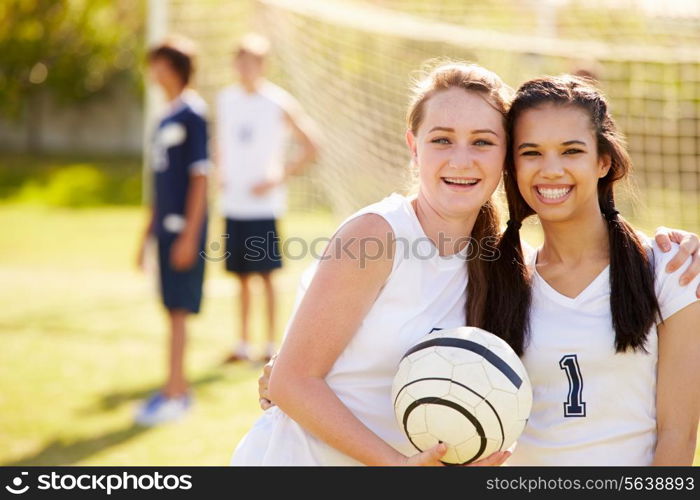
350, 64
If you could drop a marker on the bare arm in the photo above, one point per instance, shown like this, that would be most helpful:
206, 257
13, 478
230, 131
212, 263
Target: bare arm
140, 257
339, 296
677, 395
195, 206
304, 132
184, 250
151, 221
337, 300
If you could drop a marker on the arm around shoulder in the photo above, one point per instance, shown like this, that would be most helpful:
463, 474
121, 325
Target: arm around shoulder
305, 132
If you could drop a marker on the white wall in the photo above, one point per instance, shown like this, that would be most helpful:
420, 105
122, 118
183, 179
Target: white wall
112, 123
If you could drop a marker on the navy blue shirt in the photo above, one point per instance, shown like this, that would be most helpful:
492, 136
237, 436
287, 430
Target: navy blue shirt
179, 151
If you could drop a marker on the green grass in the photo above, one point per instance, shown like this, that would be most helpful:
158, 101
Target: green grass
83, 341
70, 180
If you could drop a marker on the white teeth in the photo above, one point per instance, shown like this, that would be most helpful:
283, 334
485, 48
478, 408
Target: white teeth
553, 194
456, 180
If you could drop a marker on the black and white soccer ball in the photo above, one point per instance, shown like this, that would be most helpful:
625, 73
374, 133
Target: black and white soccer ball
465, 387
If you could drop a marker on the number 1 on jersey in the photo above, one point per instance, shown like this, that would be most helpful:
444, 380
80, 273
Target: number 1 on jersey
574, 406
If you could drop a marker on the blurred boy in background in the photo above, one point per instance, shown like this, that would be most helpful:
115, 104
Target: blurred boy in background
254, 121
180, 164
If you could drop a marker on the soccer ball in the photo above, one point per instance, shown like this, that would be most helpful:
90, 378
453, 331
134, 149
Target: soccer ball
465, 387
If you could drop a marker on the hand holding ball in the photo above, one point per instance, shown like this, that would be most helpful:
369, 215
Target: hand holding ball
464, 387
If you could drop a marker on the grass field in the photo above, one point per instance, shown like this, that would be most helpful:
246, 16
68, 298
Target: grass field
83, 341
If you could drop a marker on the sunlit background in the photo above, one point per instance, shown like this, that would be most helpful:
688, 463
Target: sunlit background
82, 331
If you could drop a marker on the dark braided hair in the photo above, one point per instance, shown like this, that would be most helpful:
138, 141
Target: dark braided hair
633, 301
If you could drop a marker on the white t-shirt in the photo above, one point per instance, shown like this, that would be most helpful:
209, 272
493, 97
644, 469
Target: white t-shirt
423, 291
592, 406
252, 140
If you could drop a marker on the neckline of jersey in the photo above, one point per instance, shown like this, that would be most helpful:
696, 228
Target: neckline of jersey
555, 294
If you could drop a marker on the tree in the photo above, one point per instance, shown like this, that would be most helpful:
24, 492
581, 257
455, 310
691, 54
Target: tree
70, 50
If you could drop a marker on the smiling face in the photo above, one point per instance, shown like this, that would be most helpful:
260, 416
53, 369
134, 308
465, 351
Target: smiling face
459, 148
556, 162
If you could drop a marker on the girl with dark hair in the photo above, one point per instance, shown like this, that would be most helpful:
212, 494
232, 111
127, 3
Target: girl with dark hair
354, 319
609, 339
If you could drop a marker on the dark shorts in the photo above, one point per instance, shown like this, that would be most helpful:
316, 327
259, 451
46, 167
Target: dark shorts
253, 246
179, 289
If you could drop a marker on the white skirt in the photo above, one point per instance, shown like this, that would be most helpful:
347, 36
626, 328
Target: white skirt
276, 439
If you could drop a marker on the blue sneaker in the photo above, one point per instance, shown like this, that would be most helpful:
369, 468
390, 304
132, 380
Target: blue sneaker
159, 409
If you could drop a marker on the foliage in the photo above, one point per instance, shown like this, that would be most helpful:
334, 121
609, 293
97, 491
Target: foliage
72, 49
70, 181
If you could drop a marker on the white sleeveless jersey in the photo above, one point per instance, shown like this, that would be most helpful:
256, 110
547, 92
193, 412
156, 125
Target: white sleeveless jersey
252, 139
592, 406
424, 291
